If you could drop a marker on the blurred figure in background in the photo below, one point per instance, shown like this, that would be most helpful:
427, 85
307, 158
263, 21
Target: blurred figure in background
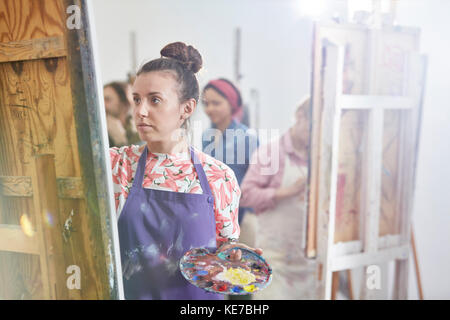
121, 128
230, 141
279, 203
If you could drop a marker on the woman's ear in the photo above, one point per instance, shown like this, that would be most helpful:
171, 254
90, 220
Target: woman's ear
188, 108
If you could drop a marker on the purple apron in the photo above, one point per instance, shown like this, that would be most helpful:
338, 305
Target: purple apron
156, 228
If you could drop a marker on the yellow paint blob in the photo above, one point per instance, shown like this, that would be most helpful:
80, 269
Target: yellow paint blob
237, 276
250, 288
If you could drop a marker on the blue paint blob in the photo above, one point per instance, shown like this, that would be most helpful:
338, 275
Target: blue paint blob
222, 255
202, 272
194, 278
236, 289
188, 265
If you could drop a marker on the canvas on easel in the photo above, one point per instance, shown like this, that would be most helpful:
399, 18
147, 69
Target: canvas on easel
58, 236
360, 173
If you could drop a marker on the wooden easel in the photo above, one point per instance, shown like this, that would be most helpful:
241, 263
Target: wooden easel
362, 76
335, 285
372, 248
416, 265
56, 207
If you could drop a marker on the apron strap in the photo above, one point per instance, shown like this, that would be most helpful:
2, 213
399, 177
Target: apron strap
200, 172
139, 176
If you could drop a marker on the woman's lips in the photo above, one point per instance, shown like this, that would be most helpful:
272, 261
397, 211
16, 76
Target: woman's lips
144, 126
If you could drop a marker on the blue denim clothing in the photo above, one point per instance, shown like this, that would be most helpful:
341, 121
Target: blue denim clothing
235, 150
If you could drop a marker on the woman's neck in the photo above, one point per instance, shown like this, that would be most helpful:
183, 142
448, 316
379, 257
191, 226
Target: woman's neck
168, 147
222, 126
123, 117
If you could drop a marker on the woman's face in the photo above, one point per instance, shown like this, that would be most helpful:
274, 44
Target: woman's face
157, 110
129, 93
112, 101
216, 106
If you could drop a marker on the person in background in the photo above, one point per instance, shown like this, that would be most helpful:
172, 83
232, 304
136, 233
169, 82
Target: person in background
278, 198
230, 141
119, 119
227, 140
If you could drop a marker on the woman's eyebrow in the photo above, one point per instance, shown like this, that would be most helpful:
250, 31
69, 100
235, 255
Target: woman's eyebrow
148, 94
211, 101
154, 92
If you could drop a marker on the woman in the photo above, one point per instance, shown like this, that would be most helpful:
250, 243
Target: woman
279, 201
119, 119
170, 197
227, 140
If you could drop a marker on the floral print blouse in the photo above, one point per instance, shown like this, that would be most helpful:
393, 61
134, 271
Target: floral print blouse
176, 173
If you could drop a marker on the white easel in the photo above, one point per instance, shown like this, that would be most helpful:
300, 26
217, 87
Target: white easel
371, 249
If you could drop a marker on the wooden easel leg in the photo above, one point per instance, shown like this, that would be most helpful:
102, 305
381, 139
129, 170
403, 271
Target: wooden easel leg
401, 279
46, 180
416, 265
335, 285
349, 283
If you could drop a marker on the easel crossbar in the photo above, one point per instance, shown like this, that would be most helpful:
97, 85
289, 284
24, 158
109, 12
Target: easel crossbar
365, 259
350, 101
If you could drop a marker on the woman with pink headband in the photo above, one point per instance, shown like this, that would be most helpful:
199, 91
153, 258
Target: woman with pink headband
228, 91
227, 140
230, 141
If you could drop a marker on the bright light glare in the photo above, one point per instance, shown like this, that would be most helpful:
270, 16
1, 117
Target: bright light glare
312, 8
366, 5
359, 5
26, 225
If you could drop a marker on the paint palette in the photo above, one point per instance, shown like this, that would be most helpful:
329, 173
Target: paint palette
216, 273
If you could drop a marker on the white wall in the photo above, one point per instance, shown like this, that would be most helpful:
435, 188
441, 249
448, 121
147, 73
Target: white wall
432, 197
276, 60
275, 49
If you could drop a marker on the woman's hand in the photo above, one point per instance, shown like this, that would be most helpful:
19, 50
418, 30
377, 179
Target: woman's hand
290, 191
236, 254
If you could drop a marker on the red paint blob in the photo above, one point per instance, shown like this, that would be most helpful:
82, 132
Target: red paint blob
222, 287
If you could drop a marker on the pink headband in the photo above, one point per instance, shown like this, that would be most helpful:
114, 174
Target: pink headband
230, 94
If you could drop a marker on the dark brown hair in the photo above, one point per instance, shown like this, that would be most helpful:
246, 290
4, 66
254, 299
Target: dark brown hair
121, 89
184, 61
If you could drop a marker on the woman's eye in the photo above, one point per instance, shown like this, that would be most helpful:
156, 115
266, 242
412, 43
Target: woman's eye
136, 100
155, 100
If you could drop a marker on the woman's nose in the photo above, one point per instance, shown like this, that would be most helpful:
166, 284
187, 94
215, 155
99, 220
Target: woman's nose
142, 109
207, 108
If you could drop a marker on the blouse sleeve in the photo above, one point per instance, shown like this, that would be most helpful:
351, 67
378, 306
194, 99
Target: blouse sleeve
119, 176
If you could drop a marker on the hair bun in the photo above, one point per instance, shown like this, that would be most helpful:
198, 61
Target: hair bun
187, 55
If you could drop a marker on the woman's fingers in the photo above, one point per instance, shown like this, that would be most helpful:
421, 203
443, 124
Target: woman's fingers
242, 245
258, 251
236, 255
